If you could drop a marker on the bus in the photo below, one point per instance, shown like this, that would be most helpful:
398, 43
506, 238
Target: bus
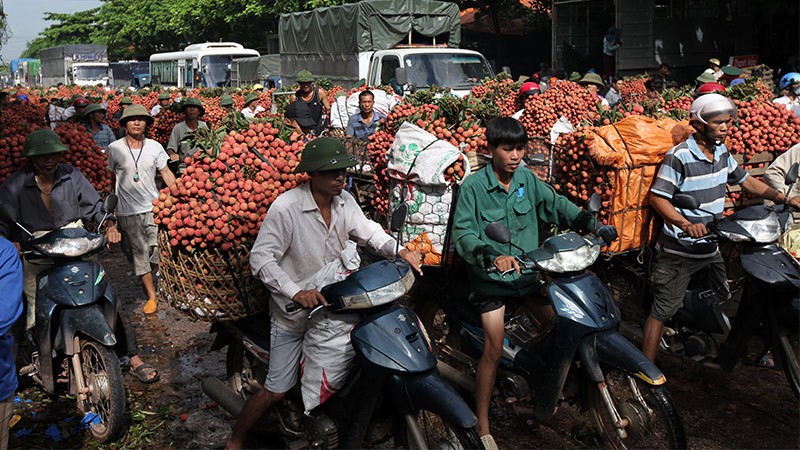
198, 65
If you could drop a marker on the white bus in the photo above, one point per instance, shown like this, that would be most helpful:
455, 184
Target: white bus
199, 65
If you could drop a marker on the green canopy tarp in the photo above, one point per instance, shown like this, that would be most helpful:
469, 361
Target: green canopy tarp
258, 68
367, 25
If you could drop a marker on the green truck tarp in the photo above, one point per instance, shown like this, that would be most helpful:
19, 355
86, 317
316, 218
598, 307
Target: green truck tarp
256, 69
367, 25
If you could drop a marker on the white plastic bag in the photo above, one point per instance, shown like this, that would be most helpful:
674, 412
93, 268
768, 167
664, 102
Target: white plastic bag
338, 269
420, 157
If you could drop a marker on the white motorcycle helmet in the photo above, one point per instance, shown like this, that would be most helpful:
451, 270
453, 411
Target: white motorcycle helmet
710, 105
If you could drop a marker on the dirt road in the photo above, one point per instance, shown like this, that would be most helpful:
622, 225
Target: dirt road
753, 408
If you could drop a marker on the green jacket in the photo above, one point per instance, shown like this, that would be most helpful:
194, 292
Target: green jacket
482, 200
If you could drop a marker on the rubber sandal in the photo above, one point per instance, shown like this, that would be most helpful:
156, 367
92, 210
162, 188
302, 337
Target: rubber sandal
488, 442
143, 370
150, 307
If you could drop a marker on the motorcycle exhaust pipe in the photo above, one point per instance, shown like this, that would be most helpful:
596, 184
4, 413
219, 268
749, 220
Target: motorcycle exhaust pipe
224, 396
456, 377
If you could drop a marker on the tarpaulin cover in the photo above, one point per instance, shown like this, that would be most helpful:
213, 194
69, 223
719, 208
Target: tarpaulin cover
256, 69
367, 25
634, 147
16, 62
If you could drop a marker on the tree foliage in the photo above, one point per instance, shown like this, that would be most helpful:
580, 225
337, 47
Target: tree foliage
134, 29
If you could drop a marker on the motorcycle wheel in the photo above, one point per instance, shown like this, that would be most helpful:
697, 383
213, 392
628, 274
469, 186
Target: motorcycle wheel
245, 374
437, 434
790, 352
654, 421
106, 396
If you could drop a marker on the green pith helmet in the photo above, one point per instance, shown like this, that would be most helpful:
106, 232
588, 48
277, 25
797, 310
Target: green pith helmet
706, 77
136, 110
249, 98
226, 100
574, 76
163, 96
126, 101
94, 107
43, 142
191, 101
324, 154
305, 76
592, 78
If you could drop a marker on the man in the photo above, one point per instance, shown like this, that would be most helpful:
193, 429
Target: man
614, 94
163, 102
135, 160
526, 91
123, 103
54, 114
311, 100
653, 87
702, 167
593, 83
776, 172
664, 72
11, 283
192, 111
611, 43
303, 231
705, 78
363, 124
79, 105
226, 102
517, 198
93, 118
5, 98
714, 68
790, 83
251, 106
49, 195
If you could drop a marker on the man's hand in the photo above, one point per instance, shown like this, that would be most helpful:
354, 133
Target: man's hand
695, 230
309, 299
413, 258
794, 201
173, 156
505, 263
112, 234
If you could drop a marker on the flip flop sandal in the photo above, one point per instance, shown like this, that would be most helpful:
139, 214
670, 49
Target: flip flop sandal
143, 370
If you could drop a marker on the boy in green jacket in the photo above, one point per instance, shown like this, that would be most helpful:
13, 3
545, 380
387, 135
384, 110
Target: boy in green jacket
518, 199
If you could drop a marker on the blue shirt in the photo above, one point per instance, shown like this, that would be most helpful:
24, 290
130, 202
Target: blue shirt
11, 283
357, 128
103, 137
687, 170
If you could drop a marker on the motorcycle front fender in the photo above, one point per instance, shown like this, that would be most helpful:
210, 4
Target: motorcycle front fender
88, 321
772, 265
613, 349
412, 392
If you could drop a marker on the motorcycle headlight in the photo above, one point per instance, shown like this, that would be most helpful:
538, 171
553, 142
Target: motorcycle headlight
71, 247
380, 296
572, 260
764, 230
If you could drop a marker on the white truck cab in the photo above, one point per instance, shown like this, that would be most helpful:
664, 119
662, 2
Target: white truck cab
90, 74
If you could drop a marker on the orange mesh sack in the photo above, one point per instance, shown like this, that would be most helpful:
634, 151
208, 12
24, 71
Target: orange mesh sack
423, 244
633, 149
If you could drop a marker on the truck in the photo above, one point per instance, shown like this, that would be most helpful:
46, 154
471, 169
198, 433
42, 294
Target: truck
78, 64
25, 71
406, 44
129, 73
264, 70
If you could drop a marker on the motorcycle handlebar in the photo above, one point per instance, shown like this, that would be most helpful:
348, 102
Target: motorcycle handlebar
293, 307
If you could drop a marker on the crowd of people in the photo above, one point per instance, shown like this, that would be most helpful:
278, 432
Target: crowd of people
317, 217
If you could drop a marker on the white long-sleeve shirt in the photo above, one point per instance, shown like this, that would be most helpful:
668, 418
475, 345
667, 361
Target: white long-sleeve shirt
294, 243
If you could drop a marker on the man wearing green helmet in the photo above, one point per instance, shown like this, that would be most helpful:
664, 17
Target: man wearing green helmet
316, 218
226, 102
51, 195
251, 106
163, 101
93, 118
192, 111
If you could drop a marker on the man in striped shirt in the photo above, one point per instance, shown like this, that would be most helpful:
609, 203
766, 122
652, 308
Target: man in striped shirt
702, 167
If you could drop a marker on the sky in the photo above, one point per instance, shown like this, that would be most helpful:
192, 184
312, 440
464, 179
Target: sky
25, 20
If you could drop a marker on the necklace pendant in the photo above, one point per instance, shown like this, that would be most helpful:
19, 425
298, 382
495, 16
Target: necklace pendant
136, 177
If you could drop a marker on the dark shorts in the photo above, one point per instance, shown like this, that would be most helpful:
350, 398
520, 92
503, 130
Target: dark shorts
671, 275
488, 303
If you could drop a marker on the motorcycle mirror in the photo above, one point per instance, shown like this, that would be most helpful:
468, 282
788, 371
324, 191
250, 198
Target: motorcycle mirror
791, 174
537, 159
595, 202
109, 204
498, 232
685, 201
398, 218
8, 213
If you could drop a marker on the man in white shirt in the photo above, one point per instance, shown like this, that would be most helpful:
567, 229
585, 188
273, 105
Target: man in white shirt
135, 160
251, 106
304, 230
163, 101
790, 83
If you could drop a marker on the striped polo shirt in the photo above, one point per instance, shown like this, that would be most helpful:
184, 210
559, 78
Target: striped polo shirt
687, 170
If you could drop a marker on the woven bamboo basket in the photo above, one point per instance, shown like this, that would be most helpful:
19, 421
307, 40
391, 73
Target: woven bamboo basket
211, 284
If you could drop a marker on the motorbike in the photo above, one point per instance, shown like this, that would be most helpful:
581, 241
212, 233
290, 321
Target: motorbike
71, 347
394, 386
580, 358
712, 328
